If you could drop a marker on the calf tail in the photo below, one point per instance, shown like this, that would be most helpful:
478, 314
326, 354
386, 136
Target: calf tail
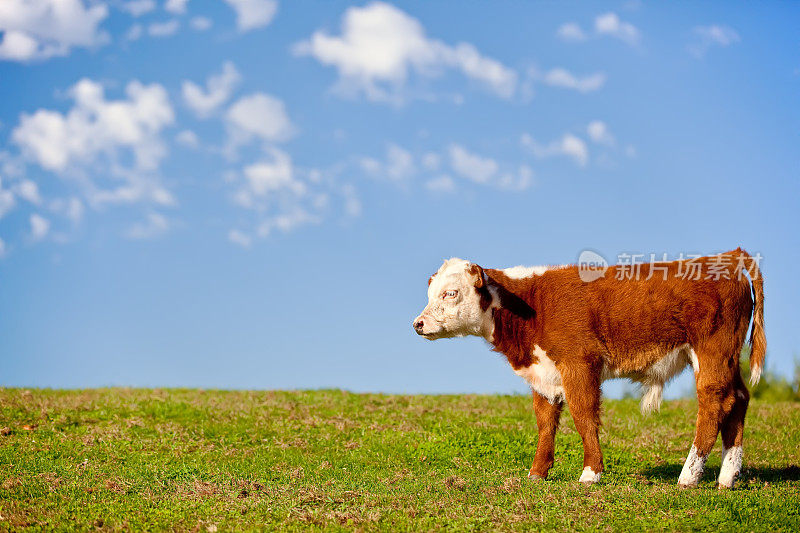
758, 340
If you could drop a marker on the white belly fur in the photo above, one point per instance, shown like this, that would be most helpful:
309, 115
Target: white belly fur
544, 378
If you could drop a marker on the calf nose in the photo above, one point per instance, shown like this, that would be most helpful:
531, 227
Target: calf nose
418, 325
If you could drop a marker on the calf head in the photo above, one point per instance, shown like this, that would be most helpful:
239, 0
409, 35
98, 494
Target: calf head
454, 302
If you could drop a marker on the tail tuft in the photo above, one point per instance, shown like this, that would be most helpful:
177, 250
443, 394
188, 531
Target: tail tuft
651, 401
755, 375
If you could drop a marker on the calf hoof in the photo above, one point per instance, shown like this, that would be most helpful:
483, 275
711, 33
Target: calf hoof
727, 480
536, 478
687, 485
589, 477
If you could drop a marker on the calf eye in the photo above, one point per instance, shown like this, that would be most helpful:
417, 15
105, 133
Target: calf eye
449, 294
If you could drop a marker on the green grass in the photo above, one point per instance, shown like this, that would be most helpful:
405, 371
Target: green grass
205, 460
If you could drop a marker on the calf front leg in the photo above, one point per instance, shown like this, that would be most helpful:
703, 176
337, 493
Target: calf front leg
547, 418
582, 391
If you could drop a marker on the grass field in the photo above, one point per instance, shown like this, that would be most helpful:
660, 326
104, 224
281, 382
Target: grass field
214, 460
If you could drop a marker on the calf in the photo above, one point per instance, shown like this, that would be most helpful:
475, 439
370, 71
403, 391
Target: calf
565, 336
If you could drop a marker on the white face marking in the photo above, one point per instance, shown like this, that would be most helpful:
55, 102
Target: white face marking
543, 376
454, 305
692, 469
520, 272
731, 466
588, 476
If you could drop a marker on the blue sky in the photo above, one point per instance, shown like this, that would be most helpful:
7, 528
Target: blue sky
252, 194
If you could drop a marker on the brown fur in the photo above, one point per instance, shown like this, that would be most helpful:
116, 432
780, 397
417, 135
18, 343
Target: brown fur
628, 325
547, 418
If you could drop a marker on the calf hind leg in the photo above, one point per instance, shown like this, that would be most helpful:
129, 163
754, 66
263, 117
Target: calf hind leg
716, 399
732, 434
582, 390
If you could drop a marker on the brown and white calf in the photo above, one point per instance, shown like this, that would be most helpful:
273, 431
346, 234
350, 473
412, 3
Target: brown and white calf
565, 336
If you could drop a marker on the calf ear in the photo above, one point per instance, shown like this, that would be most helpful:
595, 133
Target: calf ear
429, 280
478, 276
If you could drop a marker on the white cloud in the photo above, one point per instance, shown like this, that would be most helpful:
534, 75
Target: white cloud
598, 132
431, 161
218, 90
721, 35
443, 183
266, 177
515, 181
102, 134
714, 35
135, 192
487, 171
137, 8
40, 227
286, 222
178, 7
611, 25
154, 225
282, 197
18, 46
559, 77
187, 138
570, 31
270, 183
7, 200
472, 166
258, 116
74, 209
380, 45
28, 190
3, 248
200, 23
134, 33
39, 29
466, 57
97, 125
10, 165
164, 29
399, 164
240, 238
370, 165
253, 14
569, 145
71, 208
352, 205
